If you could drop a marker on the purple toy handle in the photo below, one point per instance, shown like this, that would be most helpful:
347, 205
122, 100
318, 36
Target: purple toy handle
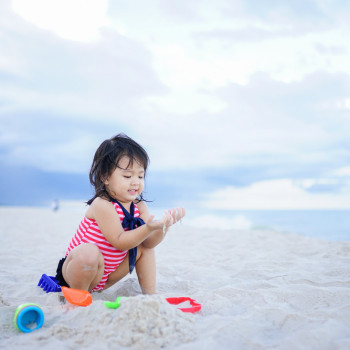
49, 284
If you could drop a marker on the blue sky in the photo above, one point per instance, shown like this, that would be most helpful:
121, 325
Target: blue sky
240, 104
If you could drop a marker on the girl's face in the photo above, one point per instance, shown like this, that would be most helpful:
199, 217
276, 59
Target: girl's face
126, 182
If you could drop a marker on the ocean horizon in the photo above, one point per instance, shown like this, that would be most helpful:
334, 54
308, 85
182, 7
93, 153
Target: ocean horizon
332, 225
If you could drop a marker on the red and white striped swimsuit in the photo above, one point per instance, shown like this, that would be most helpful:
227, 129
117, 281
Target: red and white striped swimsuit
89, 232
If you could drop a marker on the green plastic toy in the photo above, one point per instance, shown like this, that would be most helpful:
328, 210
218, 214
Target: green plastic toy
114, 304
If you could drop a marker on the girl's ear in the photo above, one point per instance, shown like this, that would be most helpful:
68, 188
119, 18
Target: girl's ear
105, 179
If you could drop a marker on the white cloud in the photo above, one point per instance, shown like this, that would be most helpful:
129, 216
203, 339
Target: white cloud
78, 20
182, 67
347, 103
342, 172
210, 51
213, 110
276, 194
184, 102
80, 148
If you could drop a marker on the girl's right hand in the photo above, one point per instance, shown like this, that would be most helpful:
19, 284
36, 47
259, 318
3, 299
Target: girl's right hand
166, 221
170, 217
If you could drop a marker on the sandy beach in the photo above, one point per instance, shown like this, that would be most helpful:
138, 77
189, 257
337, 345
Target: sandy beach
258, 290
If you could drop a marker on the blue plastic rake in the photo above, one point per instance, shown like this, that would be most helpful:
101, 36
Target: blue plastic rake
49, 284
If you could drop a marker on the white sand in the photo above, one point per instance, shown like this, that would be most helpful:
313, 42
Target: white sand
258, 290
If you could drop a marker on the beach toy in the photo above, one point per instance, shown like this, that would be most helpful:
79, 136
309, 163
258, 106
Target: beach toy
28, 317
77, 296
176, 301
74, 296
49, 284
114, 304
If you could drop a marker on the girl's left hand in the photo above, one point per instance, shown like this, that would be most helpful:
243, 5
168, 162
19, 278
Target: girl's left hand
176, 215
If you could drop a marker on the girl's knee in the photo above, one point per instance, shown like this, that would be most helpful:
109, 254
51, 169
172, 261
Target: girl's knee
87, 255
83, 268
141, 250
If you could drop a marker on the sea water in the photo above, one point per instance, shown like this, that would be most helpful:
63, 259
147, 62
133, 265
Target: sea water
332, 225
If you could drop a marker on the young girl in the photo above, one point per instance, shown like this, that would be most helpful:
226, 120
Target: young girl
117, 232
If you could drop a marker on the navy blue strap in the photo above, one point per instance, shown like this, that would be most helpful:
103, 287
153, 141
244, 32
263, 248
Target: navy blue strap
130, 222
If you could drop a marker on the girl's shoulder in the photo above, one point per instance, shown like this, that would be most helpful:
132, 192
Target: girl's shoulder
98, 204
142, 207
140, 204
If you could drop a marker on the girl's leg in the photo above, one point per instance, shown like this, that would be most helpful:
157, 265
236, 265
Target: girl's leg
84, 266
145, 269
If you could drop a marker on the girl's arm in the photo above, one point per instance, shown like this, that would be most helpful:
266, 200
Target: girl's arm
158, 235
109, 223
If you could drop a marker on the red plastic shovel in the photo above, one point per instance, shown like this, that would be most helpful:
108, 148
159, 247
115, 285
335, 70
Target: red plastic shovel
176, 301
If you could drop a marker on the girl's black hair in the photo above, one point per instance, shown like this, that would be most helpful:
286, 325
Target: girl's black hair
106, 160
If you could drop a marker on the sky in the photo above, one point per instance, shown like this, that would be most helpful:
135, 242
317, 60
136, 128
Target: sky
240, 104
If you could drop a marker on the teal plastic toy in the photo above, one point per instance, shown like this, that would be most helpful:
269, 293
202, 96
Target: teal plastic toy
28, 317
